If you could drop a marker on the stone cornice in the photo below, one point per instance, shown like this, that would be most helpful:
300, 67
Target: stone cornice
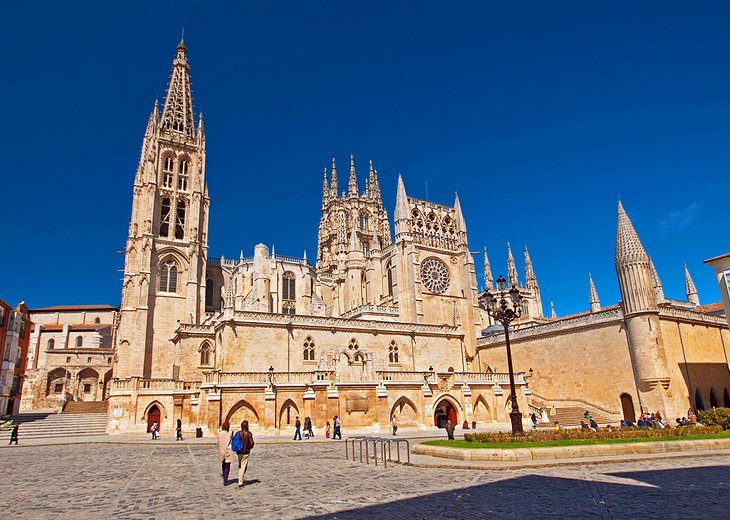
691, 316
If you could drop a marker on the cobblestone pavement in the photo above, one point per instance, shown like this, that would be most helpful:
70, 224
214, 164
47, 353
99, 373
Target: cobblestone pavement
308, 480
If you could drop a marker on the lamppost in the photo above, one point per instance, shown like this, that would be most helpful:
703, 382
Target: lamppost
271, 374
498, 307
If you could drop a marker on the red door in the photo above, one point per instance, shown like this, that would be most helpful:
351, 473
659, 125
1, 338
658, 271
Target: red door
153, 416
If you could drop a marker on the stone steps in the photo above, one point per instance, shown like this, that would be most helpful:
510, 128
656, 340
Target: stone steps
49, 425
86, 407
573, 415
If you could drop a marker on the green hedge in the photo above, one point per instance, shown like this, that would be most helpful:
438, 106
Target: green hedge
715, 417
602, 433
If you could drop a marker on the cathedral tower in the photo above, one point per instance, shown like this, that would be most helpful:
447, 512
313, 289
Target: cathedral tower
164, 267
641, 315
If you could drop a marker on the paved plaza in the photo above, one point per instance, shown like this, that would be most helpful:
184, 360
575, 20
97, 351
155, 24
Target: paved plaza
313, 480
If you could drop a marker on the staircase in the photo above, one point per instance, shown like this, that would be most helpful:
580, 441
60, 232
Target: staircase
86, 407
573, 415
46, 425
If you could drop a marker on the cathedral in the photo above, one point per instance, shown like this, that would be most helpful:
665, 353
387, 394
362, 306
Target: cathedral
385, 324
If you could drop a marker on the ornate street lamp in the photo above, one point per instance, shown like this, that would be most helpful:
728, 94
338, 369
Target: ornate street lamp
505, 307
271, 374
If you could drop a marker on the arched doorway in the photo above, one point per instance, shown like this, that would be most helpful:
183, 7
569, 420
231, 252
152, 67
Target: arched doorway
627, 407
289, 413
444, 411
404, 412
482, 413
699, 404
153, 416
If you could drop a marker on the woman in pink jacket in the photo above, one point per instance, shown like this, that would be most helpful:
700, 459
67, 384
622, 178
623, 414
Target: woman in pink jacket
225, 454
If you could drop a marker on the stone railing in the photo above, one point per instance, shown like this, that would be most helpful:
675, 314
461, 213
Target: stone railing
375, 309
350, 324
499, 378
136, 383
684, 314
187, 327
266, 377
292, 260
552, 327
405, 376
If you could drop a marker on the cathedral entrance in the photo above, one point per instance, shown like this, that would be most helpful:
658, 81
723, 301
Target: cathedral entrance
444, 412
627, 407
153, 416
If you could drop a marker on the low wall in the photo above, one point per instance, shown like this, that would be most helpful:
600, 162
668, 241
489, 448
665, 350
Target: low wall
571, 452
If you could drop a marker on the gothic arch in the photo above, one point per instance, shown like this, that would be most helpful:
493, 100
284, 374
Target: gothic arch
169, 253
58, 376
445, 400
405, 412
482, 411
242, 410
699, 403
713, 399
160, 407
288, 413
725, 398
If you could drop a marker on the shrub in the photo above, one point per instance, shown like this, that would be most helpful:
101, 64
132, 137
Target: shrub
580, 434
715, 417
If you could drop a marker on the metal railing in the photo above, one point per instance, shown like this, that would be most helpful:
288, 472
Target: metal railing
382, 443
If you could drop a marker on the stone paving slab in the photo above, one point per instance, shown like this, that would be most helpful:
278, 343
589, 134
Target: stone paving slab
312, 480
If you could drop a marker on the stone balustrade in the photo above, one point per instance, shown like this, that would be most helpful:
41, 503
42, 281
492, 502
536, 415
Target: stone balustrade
266, 377
138, 383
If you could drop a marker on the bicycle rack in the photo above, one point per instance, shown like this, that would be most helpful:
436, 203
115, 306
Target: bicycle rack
379, 445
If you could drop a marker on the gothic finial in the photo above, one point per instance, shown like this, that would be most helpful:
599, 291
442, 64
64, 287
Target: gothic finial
594, 301
305, 255
530, 278
241, 256
628, 246
325, 189
511, 269
488, 280
690, 289
352, 186
459, 214
552, 311
401, 203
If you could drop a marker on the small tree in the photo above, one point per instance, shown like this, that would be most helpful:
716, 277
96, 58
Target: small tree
715, 417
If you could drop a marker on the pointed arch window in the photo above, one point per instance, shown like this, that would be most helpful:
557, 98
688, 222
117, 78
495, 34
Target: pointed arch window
289, 282
165, 217
209, 292
309, 349
205, 354
288, 308
180, 220
393, 352
79, 341
364, 219
167, 171
168, 277
390, 281
51, 343
182, 175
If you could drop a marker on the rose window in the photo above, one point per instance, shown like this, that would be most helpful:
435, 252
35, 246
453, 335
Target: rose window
435, 275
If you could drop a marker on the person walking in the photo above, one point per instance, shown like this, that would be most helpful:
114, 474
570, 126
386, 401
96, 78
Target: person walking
328, 430
533, 418
336, 434
450, 430
225, 454
154, 430
14, 435
309, 427
247, 440
178, 430
298, 431
394, 425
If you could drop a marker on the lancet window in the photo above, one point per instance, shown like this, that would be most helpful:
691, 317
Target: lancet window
205, 354
289, 283
393, 352
309, 349
51, 343
167, 171
79, 341
364, 219
288, 308
182, 175
180, 220
168, 277
165, 217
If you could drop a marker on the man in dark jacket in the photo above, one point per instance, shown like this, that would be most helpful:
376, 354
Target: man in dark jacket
450, 430
247, 441
298, 431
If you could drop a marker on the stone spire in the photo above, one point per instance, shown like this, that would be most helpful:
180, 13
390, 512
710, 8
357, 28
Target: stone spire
511, 269
149, 133
595, 302
354, 242
374, 183
552, 310
375, 245
530, 278
333, 184
352, 185
459, 214
658, 288
401, 215
177, 114
201, 130
325, 189
690, 289
632, 268
488, 280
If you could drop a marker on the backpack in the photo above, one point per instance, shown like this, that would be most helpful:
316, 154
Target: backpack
236, 443
250, 441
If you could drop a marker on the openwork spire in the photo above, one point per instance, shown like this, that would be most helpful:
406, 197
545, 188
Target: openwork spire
628, 246
552, 310
511, 269
325, 189
690, 289
488, 280
177, 114
333, 185
352, 185
530, 278
595, 302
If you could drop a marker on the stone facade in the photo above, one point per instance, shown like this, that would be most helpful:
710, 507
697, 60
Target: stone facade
15, 326
70, 356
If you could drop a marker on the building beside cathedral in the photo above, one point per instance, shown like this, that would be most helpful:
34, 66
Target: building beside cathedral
385, 323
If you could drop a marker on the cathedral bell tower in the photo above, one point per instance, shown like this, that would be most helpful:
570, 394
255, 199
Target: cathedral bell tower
164, 266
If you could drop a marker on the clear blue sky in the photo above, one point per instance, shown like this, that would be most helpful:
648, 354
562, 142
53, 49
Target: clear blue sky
540, 114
